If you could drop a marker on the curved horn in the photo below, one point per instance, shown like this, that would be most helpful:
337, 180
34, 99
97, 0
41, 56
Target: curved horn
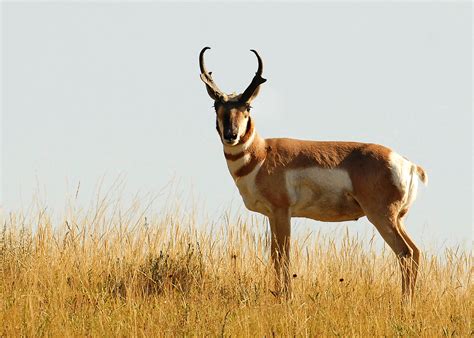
201, 60
254, 86
260, 62
214, 92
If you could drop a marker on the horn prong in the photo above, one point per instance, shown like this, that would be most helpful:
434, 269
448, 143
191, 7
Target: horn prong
257, 80
206, 77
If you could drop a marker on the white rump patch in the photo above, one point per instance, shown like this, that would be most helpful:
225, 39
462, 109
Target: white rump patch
401, 171
404, 177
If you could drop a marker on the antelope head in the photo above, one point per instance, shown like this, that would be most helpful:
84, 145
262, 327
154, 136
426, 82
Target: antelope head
232, 110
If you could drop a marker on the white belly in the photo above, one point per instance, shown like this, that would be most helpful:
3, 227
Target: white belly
321, 194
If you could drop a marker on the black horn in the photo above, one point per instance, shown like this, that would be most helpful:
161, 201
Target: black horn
253, 88
214, 91
201, 60
260, 62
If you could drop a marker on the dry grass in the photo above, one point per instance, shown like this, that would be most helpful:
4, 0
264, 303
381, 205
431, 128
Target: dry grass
110, 273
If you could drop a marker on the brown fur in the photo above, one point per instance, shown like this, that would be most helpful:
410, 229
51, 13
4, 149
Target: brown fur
373, 190
374, 193
422, 174
367, 165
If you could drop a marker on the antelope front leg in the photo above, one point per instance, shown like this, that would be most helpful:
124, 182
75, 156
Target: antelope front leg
280, 226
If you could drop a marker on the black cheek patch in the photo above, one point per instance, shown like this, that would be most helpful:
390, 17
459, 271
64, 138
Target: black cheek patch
217, 127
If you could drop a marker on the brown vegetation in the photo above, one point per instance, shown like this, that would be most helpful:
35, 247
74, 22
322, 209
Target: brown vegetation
112, 273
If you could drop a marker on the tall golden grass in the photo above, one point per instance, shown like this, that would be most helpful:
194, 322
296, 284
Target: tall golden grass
110, 271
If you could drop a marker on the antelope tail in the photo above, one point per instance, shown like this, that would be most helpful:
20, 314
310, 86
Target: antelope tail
422, 174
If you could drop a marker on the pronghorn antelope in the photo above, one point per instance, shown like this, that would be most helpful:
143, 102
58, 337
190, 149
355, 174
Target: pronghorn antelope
325, 181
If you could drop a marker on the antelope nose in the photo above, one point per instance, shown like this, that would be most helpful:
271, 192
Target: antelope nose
231, 136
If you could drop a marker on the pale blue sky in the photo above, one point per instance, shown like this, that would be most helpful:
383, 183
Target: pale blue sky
112, 88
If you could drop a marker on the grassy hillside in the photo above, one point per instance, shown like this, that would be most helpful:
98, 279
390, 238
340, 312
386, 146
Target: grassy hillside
107, 272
